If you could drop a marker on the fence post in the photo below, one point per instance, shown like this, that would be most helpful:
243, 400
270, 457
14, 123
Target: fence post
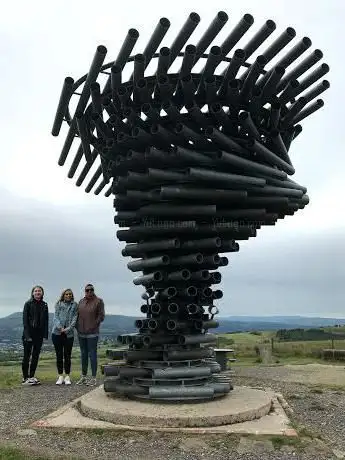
332, 343
272, 344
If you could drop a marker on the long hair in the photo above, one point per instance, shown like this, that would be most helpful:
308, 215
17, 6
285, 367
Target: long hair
63, 295
32, 291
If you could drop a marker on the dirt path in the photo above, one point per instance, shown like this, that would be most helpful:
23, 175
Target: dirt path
320, 412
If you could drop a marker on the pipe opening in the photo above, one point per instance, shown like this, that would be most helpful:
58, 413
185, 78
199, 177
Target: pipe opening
152, 324
199, 258
222, 16
248, 18
270, 24
194, 17
216, 51
173, 308
102, 49
306, 42
190, 49
157, 276
171, 325
192, 308
133, 33
192, 291
185, 274
207, 292
291, 32
165, 51
164, 22
146, 340
139, 58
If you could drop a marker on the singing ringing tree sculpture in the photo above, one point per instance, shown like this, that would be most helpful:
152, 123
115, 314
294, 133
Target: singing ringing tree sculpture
196, 161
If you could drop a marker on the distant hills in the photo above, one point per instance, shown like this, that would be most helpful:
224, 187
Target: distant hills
11, 326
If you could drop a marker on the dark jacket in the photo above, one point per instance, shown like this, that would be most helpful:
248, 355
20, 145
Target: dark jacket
90, 315
35, 319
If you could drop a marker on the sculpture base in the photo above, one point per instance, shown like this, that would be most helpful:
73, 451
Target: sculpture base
241, 405
170, 377
275, 423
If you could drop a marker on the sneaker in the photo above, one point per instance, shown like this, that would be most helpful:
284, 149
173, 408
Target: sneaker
92, 382
25, 381
82, 380
67, 380
34, 381
59, 380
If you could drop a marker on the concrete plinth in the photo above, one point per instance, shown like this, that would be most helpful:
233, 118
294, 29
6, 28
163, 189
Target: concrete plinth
241, 405
275, 422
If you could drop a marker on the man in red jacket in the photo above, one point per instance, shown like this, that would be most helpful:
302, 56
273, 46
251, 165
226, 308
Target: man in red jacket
90, 315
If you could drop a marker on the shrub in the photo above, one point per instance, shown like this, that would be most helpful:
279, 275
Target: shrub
334, 354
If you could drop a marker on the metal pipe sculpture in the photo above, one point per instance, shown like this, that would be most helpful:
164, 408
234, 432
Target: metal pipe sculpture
196, 160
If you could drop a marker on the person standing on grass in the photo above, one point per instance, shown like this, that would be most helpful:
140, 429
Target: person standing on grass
90, 316
35, 329
65, 319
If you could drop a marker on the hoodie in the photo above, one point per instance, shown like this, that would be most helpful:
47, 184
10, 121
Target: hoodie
90, 315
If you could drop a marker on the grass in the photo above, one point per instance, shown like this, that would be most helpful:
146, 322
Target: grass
12, 453
304, 432
246, 346
11, 372
8, 452
280, 441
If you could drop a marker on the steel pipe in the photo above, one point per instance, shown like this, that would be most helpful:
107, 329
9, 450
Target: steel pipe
181, 372
198, 338
114, 386
168, 392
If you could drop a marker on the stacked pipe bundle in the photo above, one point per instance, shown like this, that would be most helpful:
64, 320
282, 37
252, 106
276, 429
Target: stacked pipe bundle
197, 160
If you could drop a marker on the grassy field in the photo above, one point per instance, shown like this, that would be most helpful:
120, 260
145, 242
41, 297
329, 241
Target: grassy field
248, 348
11, 372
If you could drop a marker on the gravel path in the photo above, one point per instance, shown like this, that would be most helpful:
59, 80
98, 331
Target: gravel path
22, 406
317, 411
318, 408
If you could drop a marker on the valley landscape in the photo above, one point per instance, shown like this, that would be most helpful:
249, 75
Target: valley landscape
113, 325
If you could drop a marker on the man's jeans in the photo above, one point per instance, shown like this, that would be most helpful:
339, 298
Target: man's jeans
88, 348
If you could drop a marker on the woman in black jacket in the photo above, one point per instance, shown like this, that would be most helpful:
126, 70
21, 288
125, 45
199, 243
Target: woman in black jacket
35, 322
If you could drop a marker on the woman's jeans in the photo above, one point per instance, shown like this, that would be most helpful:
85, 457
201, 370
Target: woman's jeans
88, 349
63, 349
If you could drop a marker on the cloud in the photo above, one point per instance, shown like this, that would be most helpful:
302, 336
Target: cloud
52, 246
300, 275
56, 247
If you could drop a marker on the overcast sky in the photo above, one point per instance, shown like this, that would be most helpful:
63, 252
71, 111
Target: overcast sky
53, 233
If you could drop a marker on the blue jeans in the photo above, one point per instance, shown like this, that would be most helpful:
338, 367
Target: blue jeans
88, 349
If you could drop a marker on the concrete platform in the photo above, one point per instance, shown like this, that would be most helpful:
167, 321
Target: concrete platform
273, 420
240, 405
